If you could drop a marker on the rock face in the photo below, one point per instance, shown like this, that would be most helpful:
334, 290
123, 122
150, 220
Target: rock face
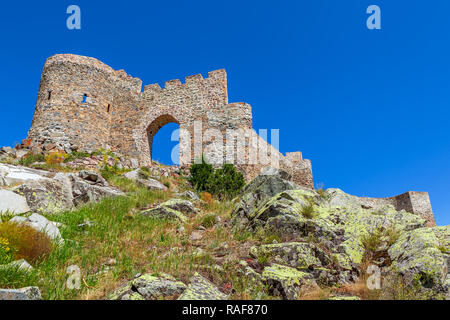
172, 209
138, 176
149, 287
41, 224
324, 237
202, 289
259, 190
12, 175
12, 203
46, 195
422, 258
285, 281
28, 293
47, 192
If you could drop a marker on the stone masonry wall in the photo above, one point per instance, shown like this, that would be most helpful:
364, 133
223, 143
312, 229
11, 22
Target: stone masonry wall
84, 104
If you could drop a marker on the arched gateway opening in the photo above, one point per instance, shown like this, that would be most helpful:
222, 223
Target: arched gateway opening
161, 143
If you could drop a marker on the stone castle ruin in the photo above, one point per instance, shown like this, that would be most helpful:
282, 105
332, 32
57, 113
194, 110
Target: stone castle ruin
83, 104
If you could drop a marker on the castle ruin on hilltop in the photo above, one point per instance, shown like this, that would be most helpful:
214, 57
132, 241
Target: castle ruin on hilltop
83, 104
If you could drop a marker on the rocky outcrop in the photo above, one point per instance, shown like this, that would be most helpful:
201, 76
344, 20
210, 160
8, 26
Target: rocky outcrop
41, 224
12, 203
28, 293
48, 192
172, 209
202, 289
422, 257
143, 180
149, 287
324, 236
285, 281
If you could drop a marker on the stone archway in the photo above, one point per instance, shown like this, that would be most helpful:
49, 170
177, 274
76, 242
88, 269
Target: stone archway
154, 127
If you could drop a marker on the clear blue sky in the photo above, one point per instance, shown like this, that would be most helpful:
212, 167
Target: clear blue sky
369, 108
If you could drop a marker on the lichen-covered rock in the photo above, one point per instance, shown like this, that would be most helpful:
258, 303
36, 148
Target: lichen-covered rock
304, 215
12, 203
202, 289
46, 195
151, 184
11, 175
28, 293
165, 213
125, 292
189, 195
286, 281
184, 206
143, 180
93, 177
84, 192
41, 224
259, 190
158, 287
294, 254
421, 257
172, 209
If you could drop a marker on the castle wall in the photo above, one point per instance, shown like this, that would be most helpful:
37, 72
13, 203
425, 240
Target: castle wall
75, 100
412, 201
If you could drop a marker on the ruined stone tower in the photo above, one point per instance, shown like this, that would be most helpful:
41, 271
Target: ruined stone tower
84, 104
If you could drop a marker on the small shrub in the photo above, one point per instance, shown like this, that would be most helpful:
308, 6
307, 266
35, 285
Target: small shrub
26, 242
209, 220
55, 157
372, 240
308, 211
31, 158
224, 183
200, 175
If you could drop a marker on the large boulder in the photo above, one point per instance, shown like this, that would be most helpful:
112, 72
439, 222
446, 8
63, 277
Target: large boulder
47, 195
294, 254
286, 281
202, 289
421, 258
143, 180
84, 192
158, 287
149, 287
11, 175
12, 203
28, 293
93, 177
172, 209
41, 224
259, 191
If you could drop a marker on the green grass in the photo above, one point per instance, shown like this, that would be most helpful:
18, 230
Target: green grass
14, 277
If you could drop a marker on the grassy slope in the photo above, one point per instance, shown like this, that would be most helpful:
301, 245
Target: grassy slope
138, 244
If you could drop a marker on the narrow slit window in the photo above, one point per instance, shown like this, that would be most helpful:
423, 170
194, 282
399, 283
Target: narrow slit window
49, 95
109, 108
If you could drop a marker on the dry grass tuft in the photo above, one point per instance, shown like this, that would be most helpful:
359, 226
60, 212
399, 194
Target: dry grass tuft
28, 243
